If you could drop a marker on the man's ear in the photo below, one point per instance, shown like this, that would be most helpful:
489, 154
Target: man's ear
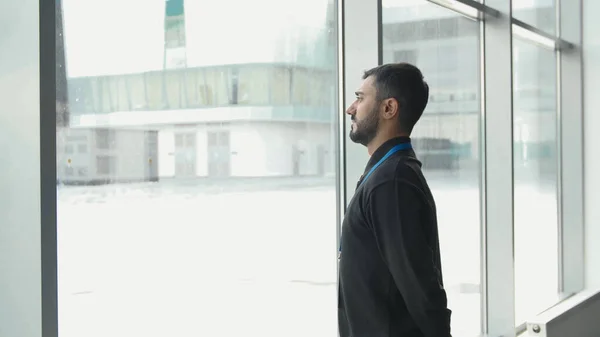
390, 108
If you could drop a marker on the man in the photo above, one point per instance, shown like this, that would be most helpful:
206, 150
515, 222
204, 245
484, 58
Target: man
390, 281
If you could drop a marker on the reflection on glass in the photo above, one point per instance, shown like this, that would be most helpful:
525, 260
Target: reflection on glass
196, 169
445, 46
540, 14
535, 179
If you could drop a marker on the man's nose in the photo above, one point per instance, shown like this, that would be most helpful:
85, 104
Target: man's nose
351, 110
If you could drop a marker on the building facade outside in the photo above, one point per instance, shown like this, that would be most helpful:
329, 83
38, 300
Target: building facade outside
236, 111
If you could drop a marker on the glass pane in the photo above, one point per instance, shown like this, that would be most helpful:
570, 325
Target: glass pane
301, 86
155, 89
118, 93
445, 46
254, 85
80, 88
540, 14
535, 179
191, 191
218, 88
175, 85
136, 90
281, 79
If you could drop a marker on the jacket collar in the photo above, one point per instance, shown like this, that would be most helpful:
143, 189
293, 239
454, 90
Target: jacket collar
383, 149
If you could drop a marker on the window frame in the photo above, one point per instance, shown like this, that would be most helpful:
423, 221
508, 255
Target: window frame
497, 190
359, 48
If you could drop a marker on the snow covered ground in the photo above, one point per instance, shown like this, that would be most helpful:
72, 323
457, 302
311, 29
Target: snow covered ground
185, 259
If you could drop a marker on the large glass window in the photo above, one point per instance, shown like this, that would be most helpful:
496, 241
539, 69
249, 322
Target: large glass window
535, 179
255, 84
196, 171
445, 46
540, 14
191, 188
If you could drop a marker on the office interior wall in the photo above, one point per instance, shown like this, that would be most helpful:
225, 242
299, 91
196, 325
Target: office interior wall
591, 155
20, 230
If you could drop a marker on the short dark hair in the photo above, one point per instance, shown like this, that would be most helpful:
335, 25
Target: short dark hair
405, 83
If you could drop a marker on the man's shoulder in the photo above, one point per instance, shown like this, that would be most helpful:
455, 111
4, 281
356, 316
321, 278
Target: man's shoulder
397, 170
400, 175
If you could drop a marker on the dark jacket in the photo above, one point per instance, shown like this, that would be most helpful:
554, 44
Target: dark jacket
390, 281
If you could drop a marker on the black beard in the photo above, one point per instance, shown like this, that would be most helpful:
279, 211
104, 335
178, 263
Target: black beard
365, 130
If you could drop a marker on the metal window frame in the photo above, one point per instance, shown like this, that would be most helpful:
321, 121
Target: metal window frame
28, 288
497, 170
48, 11
359, 48
497, 188
528, 32
340, 158
570, 121
360, 51
470, 8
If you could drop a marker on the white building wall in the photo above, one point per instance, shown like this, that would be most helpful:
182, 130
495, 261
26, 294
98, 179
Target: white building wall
201, 151
73, 152
591, 85
280, 140
278, 143
129, 156
131, 162
161, 119
22, 239
257, 149
248, 150
166, 153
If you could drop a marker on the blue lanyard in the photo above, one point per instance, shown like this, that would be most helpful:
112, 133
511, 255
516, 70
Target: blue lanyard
399, 147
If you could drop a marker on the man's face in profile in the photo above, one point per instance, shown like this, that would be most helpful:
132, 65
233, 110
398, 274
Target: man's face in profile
364, 113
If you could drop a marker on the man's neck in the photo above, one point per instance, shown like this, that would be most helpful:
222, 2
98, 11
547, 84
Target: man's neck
380, 139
